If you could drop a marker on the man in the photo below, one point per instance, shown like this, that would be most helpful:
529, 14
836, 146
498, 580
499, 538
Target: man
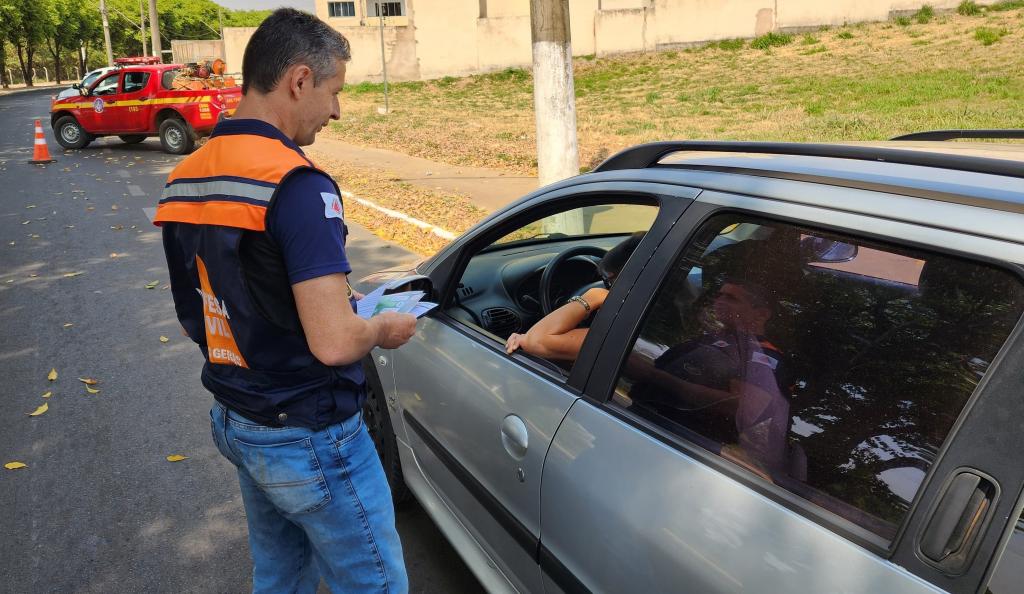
254, 236
729, 381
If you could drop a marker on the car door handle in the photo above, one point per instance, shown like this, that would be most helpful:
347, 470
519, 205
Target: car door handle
143, 98
111, 101
514, 436
961, 517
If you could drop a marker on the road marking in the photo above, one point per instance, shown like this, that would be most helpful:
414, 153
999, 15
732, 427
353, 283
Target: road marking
123, 174
135, 190
150, 213
443, 234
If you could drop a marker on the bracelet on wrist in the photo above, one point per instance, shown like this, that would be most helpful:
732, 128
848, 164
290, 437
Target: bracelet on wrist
581, 301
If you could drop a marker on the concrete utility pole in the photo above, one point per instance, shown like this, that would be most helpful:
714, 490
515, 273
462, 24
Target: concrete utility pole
554, 99
142, 26
154, 27
106, 32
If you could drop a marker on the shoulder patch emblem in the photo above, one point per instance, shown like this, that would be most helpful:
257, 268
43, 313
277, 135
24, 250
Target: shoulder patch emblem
332, 206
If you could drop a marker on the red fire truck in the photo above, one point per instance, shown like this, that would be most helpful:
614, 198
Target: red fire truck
179, 103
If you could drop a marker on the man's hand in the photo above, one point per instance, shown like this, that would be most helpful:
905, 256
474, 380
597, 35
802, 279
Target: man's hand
395, 329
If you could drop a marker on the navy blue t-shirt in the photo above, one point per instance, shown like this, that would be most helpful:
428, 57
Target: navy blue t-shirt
307, 222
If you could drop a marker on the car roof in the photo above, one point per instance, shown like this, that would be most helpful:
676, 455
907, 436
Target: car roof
1001, 188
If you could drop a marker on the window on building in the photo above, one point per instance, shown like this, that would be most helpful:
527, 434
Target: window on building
376, 8
341, 9
831, 366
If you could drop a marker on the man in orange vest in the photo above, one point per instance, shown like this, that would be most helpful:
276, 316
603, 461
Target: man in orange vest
254, 235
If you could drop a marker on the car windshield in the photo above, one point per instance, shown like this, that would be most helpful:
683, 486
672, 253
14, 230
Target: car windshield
91, 78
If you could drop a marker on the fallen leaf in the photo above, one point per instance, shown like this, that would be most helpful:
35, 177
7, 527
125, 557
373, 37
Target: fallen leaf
45, 407
47, 394
33, 275
88, 381
91, 390
90, 208
34, 236
12, 243
25, 222
52, 376
31, 206
165, 287
68, 325
15, 465
152, 285
9, 281
117, 227
113, 207
71, 274
164, 339
113, 254
176, 458
69, 226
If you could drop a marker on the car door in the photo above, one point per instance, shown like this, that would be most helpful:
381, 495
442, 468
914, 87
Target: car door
134, 105
862, 439
103, 95
480, 421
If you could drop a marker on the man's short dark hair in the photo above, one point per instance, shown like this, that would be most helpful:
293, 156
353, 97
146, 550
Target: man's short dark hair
288, 37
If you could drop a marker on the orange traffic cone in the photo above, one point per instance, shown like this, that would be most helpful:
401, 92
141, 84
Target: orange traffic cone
40, 154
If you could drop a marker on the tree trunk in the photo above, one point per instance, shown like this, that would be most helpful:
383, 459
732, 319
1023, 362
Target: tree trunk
83, 55
55, 50
4, 83
31, 53
21, 62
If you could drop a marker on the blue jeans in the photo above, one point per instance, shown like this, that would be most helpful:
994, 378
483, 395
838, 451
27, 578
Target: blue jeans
317, 504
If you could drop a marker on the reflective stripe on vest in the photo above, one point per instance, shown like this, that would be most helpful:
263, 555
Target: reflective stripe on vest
222, 184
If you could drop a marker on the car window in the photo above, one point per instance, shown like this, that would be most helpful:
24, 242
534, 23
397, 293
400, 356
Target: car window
829, 365
135, 81
589, 220
107, 86
167, 79
1009, 574
504, 289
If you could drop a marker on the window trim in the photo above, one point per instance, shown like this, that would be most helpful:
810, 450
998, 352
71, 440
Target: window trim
620, 340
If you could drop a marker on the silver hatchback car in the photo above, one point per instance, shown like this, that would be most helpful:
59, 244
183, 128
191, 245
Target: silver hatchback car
806, 377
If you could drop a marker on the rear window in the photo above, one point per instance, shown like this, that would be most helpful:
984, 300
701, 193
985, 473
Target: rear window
167, 79
829, 365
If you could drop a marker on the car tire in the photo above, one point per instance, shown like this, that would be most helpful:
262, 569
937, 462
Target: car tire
132, 138
378, 425
70, 134
176, 137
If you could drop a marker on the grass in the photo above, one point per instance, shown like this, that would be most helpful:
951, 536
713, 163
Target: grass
924, 15
730, 45
902, 21
968, 8
989, 35
1006, 5
845, 34
771, 40
810, 88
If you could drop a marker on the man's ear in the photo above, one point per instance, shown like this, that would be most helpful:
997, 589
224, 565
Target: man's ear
300, 79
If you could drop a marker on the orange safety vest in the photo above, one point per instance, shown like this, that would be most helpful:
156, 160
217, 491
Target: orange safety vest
214, 204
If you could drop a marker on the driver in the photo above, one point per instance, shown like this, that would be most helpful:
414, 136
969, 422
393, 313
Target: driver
556, 335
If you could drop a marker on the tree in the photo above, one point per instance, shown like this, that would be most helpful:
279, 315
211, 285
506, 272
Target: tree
30, 32
64, 31
10, 20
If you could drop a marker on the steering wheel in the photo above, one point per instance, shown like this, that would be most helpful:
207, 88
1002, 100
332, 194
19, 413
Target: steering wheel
546, 302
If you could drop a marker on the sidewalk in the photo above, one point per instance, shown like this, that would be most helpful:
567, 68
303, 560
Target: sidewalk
39, 86
490, 189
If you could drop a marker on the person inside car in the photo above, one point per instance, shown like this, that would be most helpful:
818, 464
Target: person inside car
558, 335
732, 373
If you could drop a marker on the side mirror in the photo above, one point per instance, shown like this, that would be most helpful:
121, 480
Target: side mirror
416, 282
827, 251
76, 86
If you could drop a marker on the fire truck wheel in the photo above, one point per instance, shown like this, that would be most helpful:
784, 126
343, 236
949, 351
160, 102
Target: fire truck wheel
70, 134
132, 138
176, 137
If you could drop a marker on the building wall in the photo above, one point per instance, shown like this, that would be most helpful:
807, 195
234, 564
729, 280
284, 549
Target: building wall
440, 38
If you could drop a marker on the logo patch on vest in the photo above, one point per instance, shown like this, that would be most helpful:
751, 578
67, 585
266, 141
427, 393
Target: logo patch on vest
332, 206
220, 342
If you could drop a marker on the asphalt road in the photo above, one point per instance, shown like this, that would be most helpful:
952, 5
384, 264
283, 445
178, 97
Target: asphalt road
99, 509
